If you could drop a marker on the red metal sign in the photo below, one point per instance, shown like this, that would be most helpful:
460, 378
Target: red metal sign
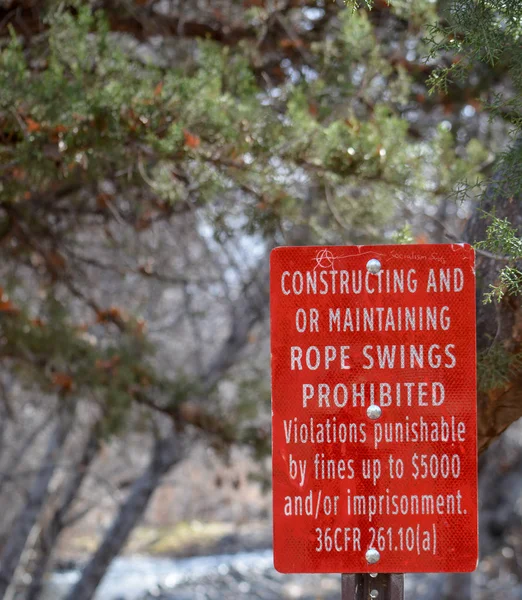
374, 409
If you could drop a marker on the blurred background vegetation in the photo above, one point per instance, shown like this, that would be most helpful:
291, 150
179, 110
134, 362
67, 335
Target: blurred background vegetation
152, 153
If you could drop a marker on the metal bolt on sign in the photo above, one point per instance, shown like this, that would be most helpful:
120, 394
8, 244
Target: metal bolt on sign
374, 411
373, 266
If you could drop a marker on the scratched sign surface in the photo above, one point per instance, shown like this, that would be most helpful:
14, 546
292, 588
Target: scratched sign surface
374, 409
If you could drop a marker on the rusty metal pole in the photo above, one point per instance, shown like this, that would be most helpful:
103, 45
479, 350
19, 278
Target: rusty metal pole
374, 586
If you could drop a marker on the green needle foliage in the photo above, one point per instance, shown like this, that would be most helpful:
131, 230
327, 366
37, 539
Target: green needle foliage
496, 367
481, 40
211, 134
503, 240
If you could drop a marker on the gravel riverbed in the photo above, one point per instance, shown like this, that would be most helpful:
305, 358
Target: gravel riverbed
251, 575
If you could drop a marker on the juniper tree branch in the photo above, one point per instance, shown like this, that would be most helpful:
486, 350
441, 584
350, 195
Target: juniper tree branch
502, 322
25, 16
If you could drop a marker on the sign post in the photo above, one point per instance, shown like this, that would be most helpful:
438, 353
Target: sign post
374, 412
380, 586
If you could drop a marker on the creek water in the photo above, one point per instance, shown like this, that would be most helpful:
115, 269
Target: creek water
131, 577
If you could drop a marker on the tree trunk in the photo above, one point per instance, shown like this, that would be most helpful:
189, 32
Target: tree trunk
497, 323
52, 530
165, 455
38, 493
249, 310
